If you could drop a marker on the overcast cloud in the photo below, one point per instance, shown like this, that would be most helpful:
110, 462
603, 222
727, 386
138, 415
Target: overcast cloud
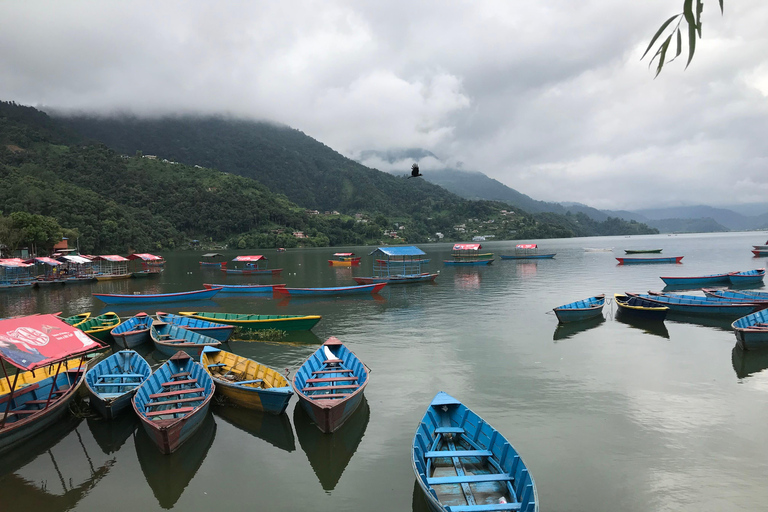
549, 97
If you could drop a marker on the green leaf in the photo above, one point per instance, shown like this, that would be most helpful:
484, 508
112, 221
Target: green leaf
691, 43
662, 54
679, 43
699, 9
721, 7
658, 33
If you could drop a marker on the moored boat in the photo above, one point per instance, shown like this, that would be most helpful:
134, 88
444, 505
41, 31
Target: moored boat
527, 252
100, 327
251, 289
629, 261
752, 330
344, 259
245, 382
736, 294
112, 382
332, 291
330, 384
701, 305
209, 260
133, 332
642, 251
639, 307
169, 339
397, 279
76, 320
747, 276
463, 464
581, 309
696, 281
217, 331
253, 266
256, 322
114, 298
468, 255
173, 402
397, 265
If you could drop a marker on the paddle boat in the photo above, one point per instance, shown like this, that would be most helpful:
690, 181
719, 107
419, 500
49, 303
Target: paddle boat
250, 289
463, 464
581, 309
256, 322
630, 261
332, 292
112, 382
752, 330
747, 276
133, 332
100, 327
701, 305
344, 259
209, 260
245, 382
330, 384
253, 266
640, 307
220, 332
695, 281
468, 255
397, 265
173, 402
138, 298
49, 356
169, 339
527, 252
642, 251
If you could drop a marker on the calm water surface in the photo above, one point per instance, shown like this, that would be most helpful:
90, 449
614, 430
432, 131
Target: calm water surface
609, 416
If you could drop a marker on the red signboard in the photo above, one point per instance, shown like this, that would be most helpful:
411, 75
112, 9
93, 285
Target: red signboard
249, 258
467, 247
527, 246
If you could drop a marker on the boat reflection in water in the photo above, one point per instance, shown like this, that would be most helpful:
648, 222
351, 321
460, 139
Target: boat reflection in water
274, 429
467, 278
169, 475
749, 362
648, 326
329, 454
419, 502
571, 329
111, 435
55, 484
717, 323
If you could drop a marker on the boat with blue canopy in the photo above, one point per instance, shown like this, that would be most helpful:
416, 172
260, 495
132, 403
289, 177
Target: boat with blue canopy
133, 332
747, 276
463, 464
112, 382
217, 331
397, 265
581, 309
468, 255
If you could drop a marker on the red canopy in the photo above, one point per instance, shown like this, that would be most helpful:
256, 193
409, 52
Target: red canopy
30, 342
526, 246
43, 259
111, 257
343, 254
250, 258
14, 262
145, 257
467, 247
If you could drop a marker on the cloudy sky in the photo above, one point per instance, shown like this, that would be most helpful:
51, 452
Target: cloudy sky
549, 97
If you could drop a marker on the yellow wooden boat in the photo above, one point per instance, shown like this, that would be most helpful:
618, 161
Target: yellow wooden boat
32, 377
245, 382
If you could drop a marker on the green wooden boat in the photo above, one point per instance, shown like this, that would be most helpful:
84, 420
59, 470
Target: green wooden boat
256, 322
642, 251
76, 320
99, 326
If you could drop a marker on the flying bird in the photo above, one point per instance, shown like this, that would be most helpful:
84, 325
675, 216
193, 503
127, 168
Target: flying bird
414, 171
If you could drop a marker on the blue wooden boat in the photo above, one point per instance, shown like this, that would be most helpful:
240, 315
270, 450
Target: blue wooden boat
250, 289
752, 330
170, 339
209, 260
631, 261
330, 292
581, 309
113, 381
397, 279
330, 385
695, 281
463, 464
113, 298
747, 276
701, 305
220, 332
173, 402
133, 332
639, 307
736, 295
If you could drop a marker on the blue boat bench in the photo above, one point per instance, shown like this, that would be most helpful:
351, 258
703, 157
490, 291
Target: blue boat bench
480, 508
330, 379
178, 382
175, 401
179, 392
243, 382
328, 388
338, 370
216, 365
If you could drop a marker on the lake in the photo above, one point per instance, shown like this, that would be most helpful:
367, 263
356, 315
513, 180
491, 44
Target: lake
607, 416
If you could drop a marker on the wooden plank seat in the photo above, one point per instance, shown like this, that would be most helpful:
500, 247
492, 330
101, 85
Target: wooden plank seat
18, 392
180, 410
458, 453
449, 430
338, 370
470, 479
243, 382
482, 508
332, 361
175, 340
318, 397
328, 388
182, 374
330, 379
176, 401
61, 391
178, 382
42, 401
179, 392
120, 376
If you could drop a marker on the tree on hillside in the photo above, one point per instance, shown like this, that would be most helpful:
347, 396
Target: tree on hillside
691, 15
36, 231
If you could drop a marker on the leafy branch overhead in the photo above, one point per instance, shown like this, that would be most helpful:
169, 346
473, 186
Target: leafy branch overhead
692, 16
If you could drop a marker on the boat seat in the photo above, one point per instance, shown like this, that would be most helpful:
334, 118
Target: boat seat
481, 508
333, 361
177, 340
178, 382
41, 402
216, 365
18, 392
61, 391
243, 382
121, 375
449, 430
116, 385
323, 397
337, 370
175, 401
179, 392
180, 410
458, 453
331, 379
470, 479
324, 388
182, 374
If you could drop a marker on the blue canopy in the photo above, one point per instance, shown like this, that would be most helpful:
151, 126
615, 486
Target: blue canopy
408, 250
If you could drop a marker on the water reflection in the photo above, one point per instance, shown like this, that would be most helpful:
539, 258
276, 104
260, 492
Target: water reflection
63, 492
419, 502
336, 301
467, 279
746, 363
329, 454
527, 269
274, 429
111, 435
565, 331
717, 323
169, 475
648, 326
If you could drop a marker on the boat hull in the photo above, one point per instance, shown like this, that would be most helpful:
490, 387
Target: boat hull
527, 256
253, 271
110, 395
634, 261
219, 332
642, 251
334, 291
109, 298
695, 280
133, 332
706, 308
111, 277
580, 310
257, 322
404, 279
749, 277
640, 308
169, 339
752, 331
250, 289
